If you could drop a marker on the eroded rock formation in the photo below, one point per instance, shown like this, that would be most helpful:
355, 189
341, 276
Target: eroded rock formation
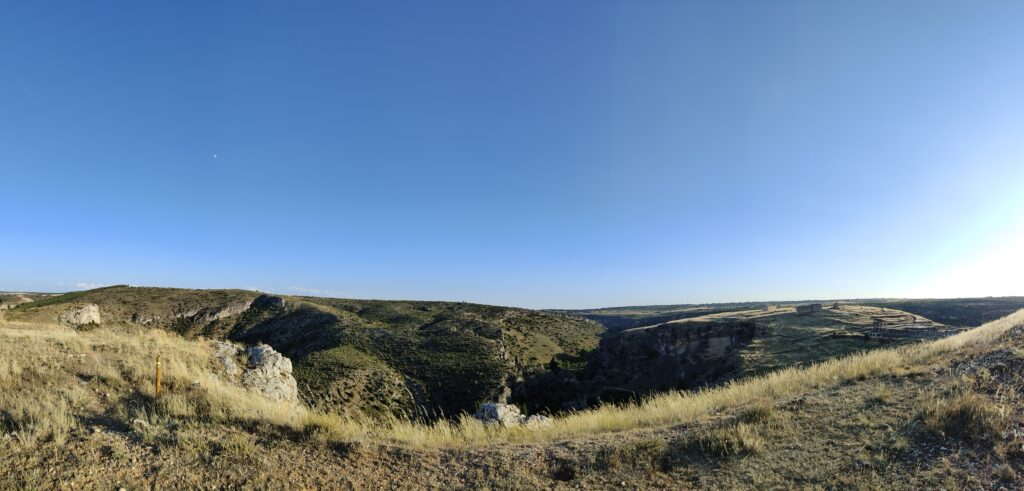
270, 373
494, 413
81, 315
265, 370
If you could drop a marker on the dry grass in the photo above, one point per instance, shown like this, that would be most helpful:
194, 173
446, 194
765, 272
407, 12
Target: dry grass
40, 369
685, 407
963, 415
645, 453
45, 369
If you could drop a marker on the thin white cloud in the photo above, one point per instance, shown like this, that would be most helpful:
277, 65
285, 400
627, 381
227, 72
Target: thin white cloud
82, 285
317, 292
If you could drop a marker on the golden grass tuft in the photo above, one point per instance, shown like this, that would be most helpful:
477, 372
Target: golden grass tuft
964, 415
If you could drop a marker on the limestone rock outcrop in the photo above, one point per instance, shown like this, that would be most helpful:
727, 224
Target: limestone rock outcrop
500, 414
270, 373
81, 315
495, 413
207, 315
268, 301
226, 355
265, 370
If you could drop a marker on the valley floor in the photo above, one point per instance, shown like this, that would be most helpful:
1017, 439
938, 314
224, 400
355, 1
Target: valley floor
952, 422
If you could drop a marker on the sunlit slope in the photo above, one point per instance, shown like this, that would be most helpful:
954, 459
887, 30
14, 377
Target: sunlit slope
786, 339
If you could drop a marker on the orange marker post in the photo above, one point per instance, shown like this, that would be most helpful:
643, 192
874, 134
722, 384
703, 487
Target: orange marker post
158, 376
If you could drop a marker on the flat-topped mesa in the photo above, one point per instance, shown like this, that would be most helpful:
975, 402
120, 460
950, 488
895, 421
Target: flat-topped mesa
673, 355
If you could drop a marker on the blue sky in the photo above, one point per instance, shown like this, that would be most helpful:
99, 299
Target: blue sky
541, 154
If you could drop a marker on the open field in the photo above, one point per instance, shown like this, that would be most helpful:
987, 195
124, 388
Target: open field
866, 417
958, 312
621, 318
787, 340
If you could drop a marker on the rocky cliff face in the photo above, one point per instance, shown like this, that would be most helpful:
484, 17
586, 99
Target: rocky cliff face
636, 362
674, 355
192, 321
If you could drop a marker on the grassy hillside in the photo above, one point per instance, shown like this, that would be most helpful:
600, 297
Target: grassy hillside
937, 414
786, 339
418, 359
123, 305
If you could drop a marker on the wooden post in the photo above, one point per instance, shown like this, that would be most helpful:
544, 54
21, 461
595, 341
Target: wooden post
157, 376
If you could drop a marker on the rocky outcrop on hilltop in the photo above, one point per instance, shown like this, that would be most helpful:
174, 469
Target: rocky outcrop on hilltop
196, 319
268, 301
81, 315
208, 315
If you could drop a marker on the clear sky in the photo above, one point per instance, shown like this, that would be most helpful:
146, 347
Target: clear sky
540, 154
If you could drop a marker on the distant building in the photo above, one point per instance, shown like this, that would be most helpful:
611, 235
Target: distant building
808, 309
769, 307
835, 306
